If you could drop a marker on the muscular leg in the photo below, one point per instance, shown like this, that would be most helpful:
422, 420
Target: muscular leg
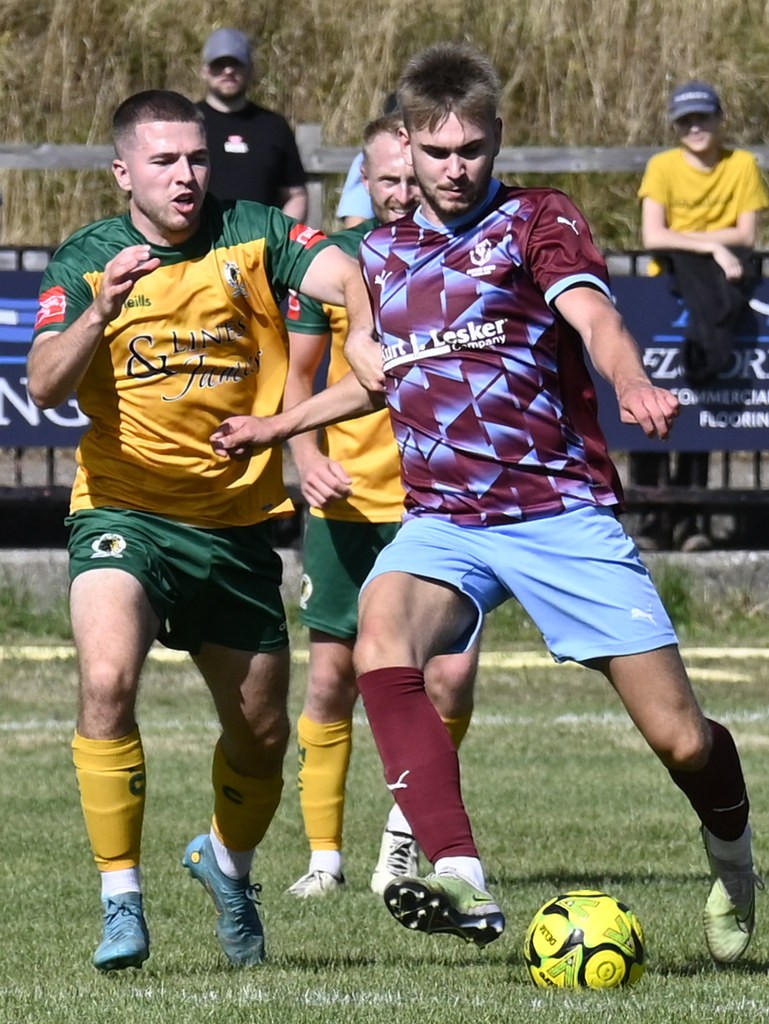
324, 733
404, 621
699, 754
703, 761
250, 692
113, 626
450, 685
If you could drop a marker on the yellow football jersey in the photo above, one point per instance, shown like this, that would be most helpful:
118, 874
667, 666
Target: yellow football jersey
199, 339
365, 447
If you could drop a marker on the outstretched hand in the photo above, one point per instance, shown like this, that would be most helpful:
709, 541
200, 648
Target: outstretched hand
653, 409
120, 275
240, 437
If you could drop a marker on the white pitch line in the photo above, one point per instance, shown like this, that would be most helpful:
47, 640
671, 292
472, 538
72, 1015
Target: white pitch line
610, 719
488, 659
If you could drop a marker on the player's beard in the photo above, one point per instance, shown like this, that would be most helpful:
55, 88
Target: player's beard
174, 226
449, 207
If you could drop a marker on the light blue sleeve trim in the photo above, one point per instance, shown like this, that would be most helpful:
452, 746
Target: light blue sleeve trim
565, 283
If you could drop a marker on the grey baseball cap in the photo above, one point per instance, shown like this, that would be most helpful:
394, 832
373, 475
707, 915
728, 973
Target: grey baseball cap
227, 42
693, 98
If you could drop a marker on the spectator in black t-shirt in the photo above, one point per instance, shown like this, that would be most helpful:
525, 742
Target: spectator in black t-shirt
253, 150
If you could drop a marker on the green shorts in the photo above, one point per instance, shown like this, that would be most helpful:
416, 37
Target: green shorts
205, 586
337, 558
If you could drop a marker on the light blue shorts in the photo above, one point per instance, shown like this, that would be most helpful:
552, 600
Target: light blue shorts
577, 574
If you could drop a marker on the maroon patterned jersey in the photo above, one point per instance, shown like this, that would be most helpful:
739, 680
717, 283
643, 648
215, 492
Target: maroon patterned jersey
492, 405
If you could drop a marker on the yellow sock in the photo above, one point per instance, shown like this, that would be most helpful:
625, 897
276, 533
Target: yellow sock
457, 728
324, 757
111, 777
243, 806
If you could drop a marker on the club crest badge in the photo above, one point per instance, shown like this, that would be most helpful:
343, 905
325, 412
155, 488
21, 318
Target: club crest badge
109, 545
480, 255
235, 279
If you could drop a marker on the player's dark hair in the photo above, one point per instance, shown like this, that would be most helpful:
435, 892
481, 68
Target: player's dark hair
449, 78
152, 105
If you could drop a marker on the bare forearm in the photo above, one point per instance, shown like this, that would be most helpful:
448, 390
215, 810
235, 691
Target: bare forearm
707, 242
615, 353
58, 360
240, 436
345, 400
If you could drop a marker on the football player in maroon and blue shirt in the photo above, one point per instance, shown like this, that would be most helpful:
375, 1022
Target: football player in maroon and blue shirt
484, 299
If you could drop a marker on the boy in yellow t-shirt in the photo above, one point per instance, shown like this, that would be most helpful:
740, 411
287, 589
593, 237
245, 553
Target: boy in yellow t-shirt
699, 210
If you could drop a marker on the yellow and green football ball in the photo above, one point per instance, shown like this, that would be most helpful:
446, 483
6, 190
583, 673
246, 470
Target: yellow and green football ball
584, 939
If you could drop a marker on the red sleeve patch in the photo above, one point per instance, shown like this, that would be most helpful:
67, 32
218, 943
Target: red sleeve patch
306, 236
53, 307
294, 306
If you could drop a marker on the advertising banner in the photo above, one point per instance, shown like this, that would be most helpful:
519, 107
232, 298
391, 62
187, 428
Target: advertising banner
729, 414
22, 424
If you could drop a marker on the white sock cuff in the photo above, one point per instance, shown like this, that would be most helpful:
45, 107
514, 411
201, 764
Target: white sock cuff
737, 850
468, 867
396, 821
232, 863
113, 883
327, 860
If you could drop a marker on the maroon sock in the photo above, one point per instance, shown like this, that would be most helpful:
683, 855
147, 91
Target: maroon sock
717, 792
420, 763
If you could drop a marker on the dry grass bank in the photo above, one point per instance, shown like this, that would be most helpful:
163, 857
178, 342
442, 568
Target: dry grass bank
576, 72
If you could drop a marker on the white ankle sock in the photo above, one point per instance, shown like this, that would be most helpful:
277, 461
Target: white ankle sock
327, 860
468, 867
232, 863
115, 882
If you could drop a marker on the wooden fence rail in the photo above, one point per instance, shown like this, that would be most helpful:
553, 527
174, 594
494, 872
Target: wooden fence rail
320, 159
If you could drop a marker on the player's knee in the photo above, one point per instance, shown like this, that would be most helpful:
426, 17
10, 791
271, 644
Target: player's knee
371, 650
450, 684
264, 747
685, 749
331, 693
107, 691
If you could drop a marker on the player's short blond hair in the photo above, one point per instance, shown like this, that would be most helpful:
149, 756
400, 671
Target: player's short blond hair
449, 78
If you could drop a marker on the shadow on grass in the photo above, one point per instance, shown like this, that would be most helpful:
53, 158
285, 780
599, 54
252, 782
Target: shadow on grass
704, 965
600, 880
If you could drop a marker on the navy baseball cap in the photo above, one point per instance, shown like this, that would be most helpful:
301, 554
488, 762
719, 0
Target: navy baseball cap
227, 42
693, 98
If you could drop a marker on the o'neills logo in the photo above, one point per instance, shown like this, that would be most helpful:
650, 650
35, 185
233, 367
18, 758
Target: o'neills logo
472, 335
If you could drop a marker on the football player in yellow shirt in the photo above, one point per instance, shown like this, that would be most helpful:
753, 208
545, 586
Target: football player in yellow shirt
164, 320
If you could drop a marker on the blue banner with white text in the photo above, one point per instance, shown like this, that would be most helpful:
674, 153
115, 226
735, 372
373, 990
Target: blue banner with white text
22, 424
729, 414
